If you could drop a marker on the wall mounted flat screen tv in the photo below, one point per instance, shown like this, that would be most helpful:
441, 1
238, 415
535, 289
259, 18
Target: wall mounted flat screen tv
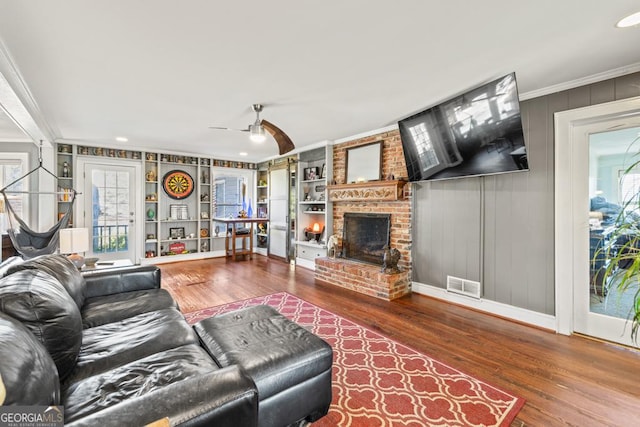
476, 133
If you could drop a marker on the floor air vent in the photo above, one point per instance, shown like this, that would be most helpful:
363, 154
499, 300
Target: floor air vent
463, 286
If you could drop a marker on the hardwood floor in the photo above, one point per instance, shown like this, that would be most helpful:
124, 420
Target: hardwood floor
565, 380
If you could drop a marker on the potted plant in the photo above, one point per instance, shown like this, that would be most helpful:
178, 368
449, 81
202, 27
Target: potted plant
621, 270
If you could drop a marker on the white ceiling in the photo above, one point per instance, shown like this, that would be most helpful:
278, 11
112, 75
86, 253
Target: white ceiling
160, 72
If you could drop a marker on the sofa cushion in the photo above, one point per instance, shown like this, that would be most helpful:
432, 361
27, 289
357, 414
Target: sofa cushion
29, 375
140, 377
114, 344
277, 353
60, 267
41, 303
116, 307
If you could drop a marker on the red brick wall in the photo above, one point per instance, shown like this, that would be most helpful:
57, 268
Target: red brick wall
400, 210
364, 278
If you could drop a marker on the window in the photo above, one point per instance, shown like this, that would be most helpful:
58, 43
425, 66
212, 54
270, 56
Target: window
12, 167
629, 187
227, 195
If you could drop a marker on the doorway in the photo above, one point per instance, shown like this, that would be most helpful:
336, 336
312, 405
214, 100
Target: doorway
591, 151
110, 209
279, 212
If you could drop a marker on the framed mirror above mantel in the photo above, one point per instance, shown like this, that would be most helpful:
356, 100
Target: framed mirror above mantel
364, 163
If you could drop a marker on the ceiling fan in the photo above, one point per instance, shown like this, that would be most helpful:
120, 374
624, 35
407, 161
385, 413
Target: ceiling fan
257, 131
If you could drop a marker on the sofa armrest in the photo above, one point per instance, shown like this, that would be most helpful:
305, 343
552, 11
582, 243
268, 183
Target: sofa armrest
222, 398
122, 279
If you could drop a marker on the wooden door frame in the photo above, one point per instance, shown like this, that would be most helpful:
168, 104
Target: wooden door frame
138, 180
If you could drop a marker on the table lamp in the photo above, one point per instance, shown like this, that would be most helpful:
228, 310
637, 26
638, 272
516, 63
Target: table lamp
316, 231
72, 241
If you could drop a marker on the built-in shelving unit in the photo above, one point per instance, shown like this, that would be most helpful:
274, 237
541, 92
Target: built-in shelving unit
151, 187
314, 214
205, 200
179, 225
187, 230
262, 209
64, 171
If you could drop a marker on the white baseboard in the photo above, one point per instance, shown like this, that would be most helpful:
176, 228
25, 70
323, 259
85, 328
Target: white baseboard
185, 257
311, 265
523, 315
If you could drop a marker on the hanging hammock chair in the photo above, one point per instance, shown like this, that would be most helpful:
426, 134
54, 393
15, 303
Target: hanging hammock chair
28, 242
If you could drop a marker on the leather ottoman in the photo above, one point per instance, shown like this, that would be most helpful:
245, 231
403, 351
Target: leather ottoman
290, 366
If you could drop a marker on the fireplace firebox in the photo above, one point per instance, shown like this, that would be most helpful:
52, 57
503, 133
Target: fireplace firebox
364, 236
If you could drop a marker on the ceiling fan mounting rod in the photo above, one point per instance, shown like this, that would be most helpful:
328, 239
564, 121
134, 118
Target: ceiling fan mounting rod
257, 108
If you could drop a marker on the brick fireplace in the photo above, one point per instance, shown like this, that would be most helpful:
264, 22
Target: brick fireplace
390, 197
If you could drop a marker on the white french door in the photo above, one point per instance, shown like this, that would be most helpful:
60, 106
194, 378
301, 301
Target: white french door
589, 157
110, 207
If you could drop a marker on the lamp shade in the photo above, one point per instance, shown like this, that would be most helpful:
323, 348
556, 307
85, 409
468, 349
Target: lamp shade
73, 240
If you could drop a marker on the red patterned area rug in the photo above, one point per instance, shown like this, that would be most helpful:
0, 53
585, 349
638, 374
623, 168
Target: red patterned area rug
379, 382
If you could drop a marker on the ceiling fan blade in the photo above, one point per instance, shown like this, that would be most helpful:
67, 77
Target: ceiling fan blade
284, 142
224, 128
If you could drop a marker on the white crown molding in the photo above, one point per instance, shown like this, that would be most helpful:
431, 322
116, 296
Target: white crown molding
583, 81
319, 144
18, 103
594, 78
24, 140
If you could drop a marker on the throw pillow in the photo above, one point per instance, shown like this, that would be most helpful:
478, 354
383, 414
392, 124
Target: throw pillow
41, 303
60, 267
28, 375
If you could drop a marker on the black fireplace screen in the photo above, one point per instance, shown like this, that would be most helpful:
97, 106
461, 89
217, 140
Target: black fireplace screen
364, 236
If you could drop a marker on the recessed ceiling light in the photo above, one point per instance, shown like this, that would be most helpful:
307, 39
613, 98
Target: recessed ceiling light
243, 153
629, 21
122, 139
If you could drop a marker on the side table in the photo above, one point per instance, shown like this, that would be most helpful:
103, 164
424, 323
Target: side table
230, 243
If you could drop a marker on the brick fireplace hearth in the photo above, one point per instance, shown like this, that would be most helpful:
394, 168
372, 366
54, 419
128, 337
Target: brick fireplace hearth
386, 197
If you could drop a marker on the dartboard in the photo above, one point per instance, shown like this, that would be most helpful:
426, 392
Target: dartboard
177, 184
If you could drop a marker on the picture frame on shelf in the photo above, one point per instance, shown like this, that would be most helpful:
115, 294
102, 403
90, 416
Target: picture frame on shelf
176, 233
323, 173
311, 173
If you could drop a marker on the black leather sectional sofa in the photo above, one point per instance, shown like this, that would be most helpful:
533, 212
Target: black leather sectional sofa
112, 347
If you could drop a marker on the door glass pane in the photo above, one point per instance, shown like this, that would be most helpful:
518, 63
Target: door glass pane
614, 220
110, 211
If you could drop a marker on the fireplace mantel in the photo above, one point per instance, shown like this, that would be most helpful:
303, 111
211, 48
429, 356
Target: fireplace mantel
380, 191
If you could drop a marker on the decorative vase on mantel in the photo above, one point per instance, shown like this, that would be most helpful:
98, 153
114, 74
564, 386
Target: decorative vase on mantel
249, 210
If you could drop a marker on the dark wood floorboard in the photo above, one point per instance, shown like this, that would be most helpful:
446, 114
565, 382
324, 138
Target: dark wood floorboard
571, 381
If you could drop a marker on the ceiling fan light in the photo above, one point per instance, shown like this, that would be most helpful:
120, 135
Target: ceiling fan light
257, 133
629, 21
